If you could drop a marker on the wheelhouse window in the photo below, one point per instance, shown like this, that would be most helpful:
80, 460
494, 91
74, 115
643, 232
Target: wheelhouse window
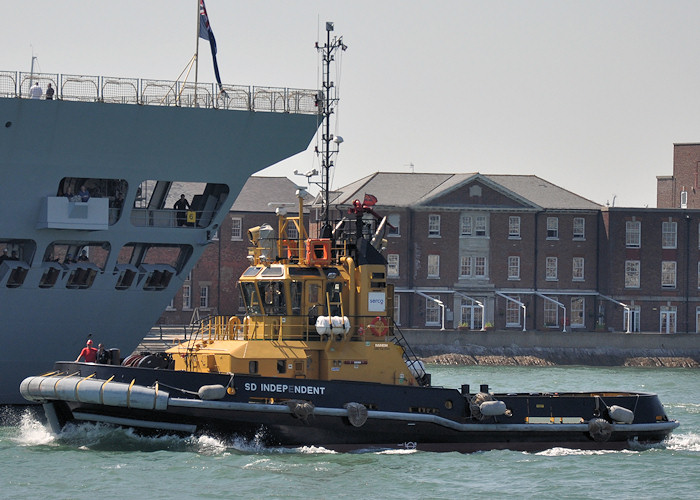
15, 258
81, 189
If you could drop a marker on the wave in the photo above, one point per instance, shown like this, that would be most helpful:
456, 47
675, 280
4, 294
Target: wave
684, 442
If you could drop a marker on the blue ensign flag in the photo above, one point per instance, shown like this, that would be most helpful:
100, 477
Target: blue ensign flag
206, 33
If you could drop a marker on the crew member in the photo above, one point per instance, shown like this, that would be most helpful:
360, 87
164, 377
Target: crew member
89, 353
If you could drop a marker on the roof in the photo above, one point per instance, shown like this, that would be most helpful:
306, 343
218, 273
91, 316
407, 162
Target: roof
265, 194
414, 189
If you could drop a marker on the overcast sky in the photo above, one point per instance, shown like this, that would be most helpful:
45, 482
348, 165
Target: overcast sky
590, 95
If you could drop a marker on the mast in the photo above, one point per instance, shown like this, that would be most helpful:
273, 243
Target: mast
329, 98
196, 51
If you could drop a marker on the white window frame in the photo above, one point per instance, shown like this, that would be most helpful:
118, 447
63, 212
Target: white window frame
432, 311
552, 228
186, 298
514, 227
236, 229
395, 221
433, 265
465, 266
633, 275
578, 311
513, 312
397, 309
513, 267
392, 265
551, 313
480, 266
551, 269
669, 234
204, 297
465, 225
668, 274
578, 269
579, 229
633, 234
433, 226
480, 226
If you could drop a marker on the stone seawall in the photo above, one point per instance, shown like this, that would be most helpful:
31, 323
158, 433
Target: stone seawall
555, 348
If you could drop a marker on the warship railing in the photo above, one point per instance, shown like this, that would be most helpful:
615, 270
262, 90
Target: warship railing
141, 91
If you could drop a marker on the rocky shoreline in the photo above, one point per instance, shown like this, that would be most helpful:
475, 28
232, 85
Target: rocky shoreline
446, 355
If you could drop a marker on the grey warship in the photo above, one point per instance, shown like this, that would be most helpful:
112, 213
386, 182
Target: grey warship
131, 143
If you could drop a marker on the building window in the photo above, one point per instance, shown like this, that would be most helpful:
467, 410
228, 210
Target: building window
171, 306
667, 319
433, 226
552, 228
465, 266
215, 236
186, 297
579, 228
578, 268
394, 226
668, 274
480, 267
632, 273
514, 226
633, 238
433, 266
432, 311
236, 228
513, 312
551, 313
668, 234
465, 225
392, 261
514, 268
577, 312
480, 225
204, 297
551, 269
684, 199
698, 275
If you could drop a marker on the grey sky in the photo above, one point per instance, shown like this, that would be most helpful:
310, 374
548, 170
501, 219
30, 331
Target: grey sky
590, 95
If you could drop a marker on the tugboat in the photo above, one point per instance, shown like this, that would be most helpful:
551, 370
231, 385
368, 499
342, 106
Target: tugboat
319, 361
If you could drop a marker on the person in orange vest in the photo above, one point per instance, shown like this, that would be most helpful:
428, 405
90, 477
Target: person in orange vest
88, 352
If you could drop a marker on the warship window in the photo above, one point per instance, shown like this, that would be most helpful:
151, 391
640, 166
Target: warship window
252, 367
114, 190
272, 293
14, 261
250, 297
158, 203
281, 366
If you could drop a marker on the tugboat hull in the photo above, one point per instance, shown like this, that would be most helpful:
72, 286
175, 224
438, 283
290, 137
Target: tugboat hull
342, 415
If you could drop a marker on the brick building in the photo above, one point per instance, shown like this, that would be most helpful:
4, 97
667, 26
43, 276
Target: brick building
515, 252
682, 189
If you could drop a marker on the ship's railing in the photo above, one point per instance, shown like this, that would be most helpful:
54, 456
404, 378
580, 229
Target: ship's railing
146, 217
161, 92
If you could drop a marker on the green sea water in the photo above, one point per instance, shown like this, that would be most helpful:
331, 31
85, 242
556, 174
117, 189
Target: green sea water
95, 461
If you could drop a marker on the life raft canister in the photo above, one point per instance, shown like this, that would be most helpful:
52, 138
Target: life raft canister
318, 251
378, 327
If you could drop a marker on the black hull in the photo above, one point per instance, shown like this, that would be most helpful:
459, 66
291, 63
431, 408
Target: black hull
398, 417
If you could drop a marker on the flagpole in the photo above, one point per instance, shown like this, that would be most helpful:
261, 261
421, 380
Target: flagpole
196, 56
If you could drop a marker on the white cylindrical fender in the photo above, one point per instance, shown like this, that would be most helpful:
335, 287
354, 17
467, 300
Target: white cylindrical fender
492, 408
620, 414
212, 392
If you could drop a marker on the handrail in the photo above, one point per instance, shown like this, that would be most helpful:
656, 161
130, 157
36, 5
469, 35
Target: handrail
85, 88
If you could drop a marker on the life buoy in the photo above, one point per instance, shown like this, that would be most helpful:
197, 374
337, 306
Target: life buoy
377, 327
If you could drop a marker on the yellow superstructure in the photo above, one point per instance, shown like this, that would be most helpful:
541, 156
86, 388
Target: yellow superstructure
315, 309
